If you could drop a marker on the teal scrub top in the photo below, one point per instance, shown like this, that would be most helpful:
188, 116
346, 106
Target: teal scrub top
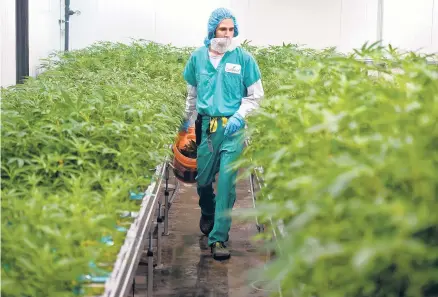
220, 91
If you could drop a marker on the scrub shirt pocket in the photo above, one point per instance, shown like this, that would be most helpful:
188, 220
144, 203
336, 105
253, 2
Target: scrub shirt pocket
233, 88
233, 81
204, 82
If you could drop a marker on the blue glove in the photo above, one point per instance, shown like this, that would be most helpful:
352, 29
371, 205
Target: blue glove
234, 124
185, 126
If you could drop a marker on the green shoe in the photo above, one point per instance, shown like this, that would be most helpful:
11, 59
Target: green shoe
220, 251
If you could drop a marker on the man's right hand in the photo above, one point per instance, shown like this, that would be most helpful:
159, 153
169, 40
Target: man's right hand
184, 126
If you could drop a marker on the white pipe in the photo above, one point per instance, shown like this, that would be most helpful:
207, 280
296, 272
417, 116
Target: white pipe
431, 33
380, 21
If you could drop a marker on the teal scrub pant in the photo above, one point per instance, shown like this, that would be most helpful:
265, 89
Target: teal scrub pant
214, 158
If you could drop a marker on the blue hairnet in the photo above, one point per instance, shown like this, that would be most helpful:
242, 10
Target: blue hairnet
217, 16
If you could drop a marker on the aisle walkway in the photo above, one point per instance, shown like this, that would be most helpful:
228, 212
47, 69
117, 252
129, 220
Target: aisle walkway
189, 269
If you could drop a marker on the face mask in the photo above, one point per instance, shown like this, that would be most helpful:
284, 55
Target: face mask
221, 45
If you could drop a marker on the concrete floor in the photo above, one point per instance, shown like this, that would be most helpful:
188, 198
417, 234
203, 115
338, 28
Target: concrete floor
189, 269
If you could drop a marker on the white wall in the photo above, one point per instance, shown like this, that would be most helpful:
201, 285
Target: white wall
7, 43
103, 20
346, 24
44, 35
408, 24
184, 24
44, 31
165, 21
358, 23
435, 27
314, 23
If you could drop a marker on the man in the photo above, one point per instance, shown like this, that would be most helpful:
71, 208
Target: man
224, 86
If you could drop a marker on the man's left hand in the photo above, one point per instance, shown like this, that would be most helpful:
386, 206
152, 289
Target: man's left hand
234, 124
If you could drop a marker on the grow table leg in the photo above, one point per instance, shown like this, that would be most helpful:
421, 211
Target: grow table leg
252, 188
166, 201
150, 277
160, 213
159, 240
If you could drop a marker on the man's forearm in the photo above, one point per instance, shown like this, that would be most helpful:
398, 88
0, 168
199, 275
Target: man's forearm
190, 101
252, 101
